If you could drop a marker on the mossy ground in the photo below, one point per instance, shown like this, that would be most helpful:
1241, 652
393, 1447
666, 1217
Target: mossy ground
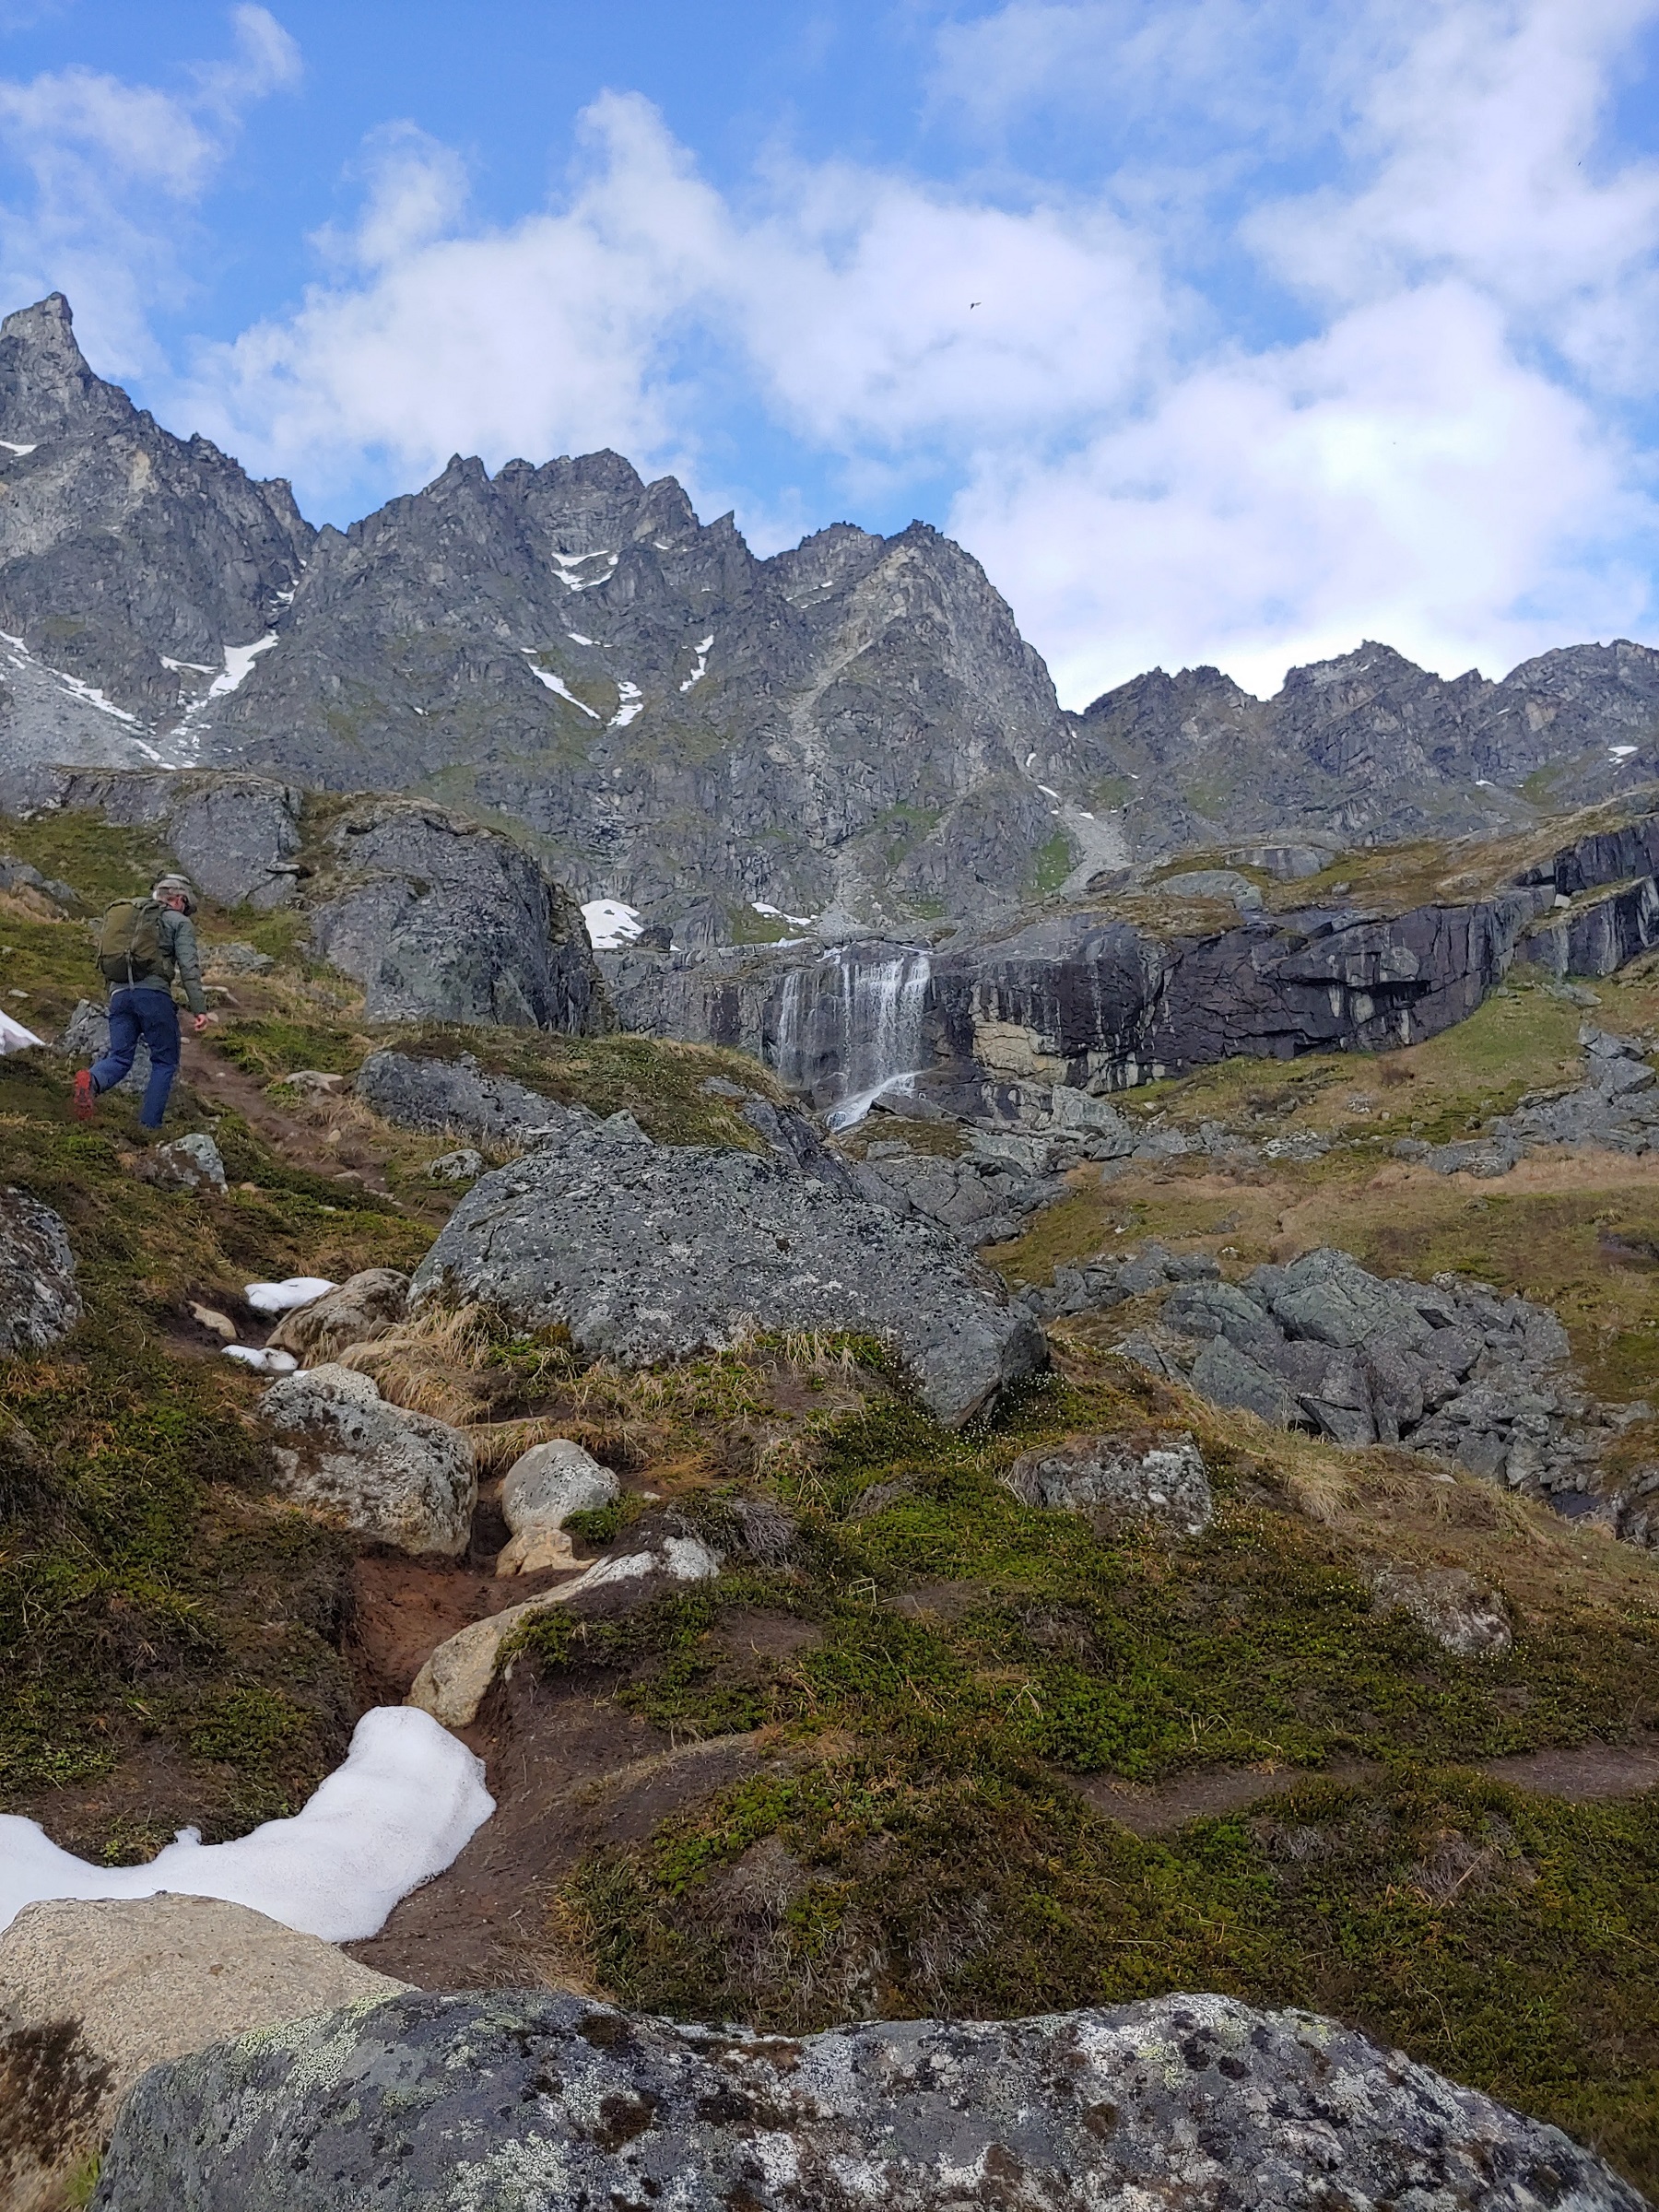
961, 1665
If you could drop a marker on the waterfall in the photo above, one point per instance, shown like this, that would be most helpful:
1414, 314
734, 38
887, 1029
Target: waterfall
851, 1027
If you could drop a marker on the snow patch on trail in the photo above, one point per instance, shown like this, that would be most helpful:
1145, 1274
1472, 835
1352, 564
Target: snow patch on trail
407, 1799
282, 1298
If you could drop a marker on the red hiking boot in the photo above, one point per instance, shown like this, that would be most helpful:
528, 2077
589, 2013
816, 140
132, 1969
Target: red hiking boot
83, 1101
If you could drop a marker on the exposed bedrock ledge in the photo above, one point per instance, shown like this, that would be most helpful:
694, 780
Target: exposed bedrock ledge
1093, 1000
1089, 999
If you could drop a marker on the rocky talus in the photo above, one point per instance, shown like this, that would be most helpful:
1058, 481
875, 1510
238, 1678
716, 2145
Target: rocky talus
1449, 1368
526, 2097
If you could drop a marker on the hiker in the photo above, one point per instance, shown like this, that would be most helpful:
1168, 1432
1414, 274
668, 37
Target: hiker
144, 944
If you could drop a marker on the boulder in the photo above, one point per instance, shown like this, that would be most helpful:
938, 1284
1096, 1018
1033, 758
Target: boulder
396, 1477
92, 1994
238, 838
456, 1680
358, 1310
237, 959
1447, 1603
85, 1037
539, 1491
657, 1251
442, 920
1100, 1474
39, 1302
544, 2097
192, 1162
439, 1096
464, 1166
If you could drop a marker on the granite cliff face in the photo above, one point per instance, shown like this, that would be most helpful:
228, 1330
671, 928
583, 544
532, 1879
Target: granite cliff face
851, 733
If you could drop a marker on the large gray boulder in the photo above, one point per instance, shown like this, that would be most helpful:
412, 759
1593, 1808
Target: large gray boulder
39, 1302
93, 1993
524, 2099
442, 920
396, 1477
657, 1251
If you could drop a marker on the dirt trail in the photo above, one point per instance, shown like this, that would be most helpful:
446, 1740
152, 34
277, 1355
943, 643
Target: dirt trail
1580, 1773
295, 1140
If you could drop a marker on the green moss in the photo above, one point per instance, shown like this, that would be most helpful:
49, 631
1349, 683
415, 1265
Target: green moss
660, 1083
1505, 1940
275, 1046
1051, 864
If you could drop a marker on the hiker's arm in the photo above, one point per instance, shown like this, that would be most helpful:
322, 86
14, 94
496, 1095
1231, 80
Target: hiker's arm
187, 958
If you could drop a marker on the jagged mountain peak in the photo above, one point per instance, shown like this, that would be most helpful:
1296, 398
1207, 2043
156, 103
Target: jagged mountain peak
46, 385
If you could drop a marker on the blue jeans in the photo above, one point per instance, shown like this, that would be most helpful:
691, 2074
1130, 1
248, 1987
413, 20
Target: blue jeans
149, 1012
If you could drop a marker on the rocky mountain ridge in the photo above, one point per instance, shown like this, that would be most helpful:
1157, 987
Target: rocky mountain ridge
851, 733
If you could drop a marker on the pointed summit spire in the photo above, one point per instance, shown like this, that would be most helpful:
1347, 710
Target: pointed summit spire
46, 388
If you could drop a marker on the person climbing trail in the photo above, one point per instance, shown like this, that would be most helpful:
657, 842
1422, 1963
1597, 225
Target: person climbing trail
142, 946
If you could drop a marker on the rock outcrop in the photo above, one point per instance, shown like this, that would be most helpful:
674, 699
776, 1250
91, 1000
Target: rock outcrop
529, 2097
440, 920
396, 1477
1166, 1481
192, 1162
92, 1994
39, 1302
135, 567
655, 1251
1451, 1368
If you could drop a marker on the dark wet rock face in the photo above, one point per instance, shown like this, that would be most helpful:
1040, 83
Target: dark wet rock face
523, 2098
655, 1251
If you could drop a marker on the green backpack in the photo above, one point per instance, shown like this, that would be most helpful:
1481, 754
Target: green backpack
129, 944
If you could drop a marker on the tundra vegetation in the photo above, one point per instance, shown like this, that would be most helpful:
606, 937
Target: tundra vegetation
921, 1748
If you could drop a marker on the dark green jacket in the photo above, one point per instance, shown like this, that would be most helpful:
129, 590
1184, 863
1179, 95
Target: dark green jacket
180, 958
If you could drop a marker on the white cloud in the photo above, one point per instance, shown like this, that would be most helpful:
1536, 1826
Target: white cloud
109, 167
1401, 477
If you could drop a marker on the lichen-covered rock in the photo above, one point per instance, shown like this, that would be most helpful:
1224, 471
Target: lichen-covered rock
539, 1491
524, 2099
39, 1302
657, 1251
397, 1477
1101, 1474
1448, 1604
192, 1162
464, 1166
356, 1312
93, 1993
438, 1096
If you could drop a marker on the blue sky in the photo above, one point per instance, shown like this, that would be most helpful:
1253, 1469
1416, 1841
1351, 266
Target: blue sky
1220, 330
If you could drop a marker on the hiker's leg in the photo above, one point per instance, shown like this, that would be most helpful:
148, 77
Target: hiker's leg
117, 1063
160, 1019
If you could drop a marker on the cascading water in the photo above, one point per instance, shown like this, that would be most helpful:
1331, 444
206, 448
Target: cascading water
851, 1027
